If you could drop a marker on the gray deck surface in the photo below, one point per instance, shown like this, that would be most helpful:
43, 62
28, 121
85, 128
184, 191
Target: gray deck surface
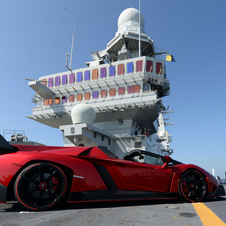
111, 214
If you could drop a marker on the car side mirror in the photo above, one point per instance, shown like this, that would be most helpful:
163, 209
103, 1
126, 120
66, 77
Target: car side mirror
167, 161
141, 157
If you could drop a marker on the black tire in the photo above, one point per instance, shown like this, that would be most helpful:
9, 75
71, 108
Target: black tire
40, 186
192, 186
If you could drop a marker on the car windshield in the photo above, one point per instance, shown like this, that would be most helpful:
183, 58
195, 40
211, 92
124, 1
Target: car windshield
144, 158
148, 158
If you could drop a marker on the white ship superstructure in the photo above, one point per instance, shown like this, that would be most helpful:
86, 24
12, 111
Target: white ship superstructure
118, 95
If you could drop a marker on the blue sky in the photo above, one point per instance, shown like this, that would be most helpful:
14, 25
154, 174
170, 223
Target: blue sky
36, 34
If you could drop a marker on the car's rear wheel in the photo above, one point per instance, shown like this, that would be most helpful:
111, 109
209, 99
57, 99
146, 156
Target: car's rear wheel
40, 186
192, 186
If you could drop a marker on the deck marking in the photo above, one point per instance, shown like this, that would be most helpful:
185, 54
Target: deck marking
207, 216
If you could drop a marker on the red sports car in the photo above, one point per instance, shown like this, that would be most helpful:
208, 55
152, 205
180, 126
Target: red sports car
40, 177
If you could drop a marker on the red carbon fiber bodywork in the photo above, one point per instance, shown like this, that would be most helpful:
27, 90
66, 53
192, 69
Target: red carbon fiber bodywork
211, 181
12, 163
93, 170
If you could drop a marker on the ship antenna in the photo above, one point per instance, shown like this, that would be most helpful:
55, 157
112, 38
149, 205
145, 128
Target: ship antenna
139, 31
72, 45
67, 55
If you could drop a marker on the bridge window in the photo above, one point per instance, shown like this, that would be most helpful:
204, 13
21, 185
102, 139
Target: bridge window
79, 97
57, 81
71, 98
50, 82
95, 94
103, 72
87, 75
64, 99
112, 71
64, 80
72, 78
103, 93
95, 74
57, 100
133, 89
159, 68
130, 67
87, 96
44, 82
139, 65
137, 89
121, 69
79, 77
112, 92
149, 67
48, 102
121, 90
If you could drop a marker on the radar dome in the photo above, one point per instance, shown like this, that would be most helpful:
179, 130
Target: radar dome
83, 113
130, 14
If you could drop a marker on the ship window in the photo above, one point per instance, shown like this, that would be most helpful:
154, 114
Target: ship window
112, 92
50, 82
71, 98
87, 96
139, 65
64, 99
130, 89
130, 67
44, 82
79, 77
95, 74
159, 68
57, 81
102, 137
79, 97
103, 93
72, 78
109, 141
87, 75
138, 145
121, 90
121, 69
95, 94
57, 100
103, 72
149, 67
137, 89
48, 102
112, 71
64, 80
133, 89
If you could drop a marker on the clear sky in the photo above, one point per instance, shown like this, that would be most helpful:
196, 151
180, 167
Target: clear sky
36, 34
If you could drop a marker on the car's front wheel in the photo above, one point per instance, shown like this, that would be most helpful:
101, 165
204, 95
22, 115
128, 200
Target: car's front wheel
192, 186
40, 186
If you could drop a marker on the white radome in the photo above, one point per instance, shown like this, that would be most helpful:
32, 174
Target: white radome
130, 14
83, 113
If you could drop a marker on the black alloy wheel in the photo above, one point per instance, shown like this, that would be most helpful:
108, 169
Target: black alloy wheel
40, 186
192, 186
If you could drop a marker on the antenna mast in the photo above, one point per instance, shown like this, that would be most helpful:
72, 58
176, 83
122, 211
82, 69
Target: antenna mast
67, 55
72, 46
